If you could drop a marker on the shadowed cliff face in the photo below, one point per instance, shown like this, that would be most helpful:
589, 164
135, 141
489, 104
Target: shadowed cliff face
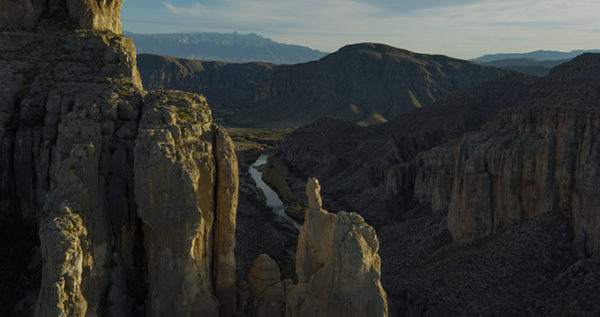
525, 162
132, 192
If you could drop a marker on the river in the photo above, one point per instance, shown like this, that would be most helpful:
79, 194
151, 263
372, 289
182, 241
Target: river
273, 200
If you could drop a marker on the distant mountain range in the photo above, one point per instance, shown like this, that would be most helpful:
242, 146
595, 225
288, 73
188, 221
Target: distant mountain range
540, 55
229, 47
527, 65
366, 83
536, 63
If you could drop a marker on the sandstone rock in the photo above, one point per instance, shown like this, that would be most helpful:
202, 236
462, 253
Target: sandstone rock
337, 265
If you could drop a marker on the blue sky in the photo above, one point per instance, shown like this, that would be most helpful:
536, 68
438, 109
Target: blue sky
459, 28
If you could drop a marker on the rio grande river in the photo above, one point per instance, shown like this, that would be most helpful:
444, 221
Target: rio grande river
273, 200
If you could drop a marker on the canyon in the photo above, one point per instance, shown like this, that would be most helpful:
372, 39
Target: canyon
492, 185
116, 200
474, 189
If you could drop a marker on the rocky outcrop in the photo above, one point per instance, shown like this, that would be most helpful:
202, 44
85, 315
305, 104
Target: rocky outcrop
186, 193
102, 15
134, 193
337, 265
522, 164
64, 239
267, 289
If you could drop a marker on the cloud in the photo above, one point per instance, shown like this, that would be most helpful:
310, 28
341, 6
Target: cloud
457, 29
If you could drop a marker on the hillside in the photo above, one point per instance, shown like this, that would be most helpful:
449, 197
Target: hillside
366, 83
470, 189
229, 47
229, 86
369, 83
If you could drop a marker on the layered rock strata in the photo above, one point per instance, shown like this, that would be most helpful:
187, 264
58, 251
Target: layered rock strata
134, 193
337, 265
521, 165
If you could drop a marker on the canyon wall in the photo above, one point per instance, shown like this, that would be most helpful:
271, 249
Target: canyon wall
521, 165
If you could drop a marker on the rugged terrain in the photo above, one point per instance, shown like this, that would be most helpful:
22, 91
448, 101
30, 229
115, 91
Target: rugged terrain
98, 166
117, 201
366, 83
229, 87
486, 194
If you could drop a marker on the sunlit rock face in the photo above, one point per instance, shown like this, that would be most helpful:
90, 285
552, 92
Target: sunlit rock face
337, 264
101, 15
133, 193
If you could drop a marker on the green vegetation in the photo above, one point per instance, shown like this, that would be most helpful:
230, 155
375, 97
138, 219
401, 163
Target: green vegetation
184, 115
246, 158
261, 139
274, 174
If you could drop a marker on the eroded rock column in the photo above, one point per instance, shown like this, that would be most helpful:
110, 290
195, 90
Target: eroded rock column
186, 191
337, 264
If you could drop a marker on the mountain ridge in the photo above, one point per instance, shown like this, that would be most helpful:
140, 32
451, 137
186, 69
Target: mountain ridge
366, 82
538, 55
228, 47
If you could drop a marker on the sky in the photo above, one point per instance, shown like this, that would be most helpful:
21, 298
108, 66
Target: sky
458, 28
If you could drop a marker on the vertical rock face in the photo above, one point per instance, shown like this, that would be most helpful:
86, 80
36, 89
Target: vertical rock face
102, 15
175, 174
134, 194
521, 165
337, 265
186, 193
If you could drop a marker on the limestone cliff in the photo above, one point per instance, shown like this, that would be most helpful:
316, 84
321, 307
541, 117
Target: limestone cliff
102, 15
186, 193
337, 265
132, 192
521, 165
